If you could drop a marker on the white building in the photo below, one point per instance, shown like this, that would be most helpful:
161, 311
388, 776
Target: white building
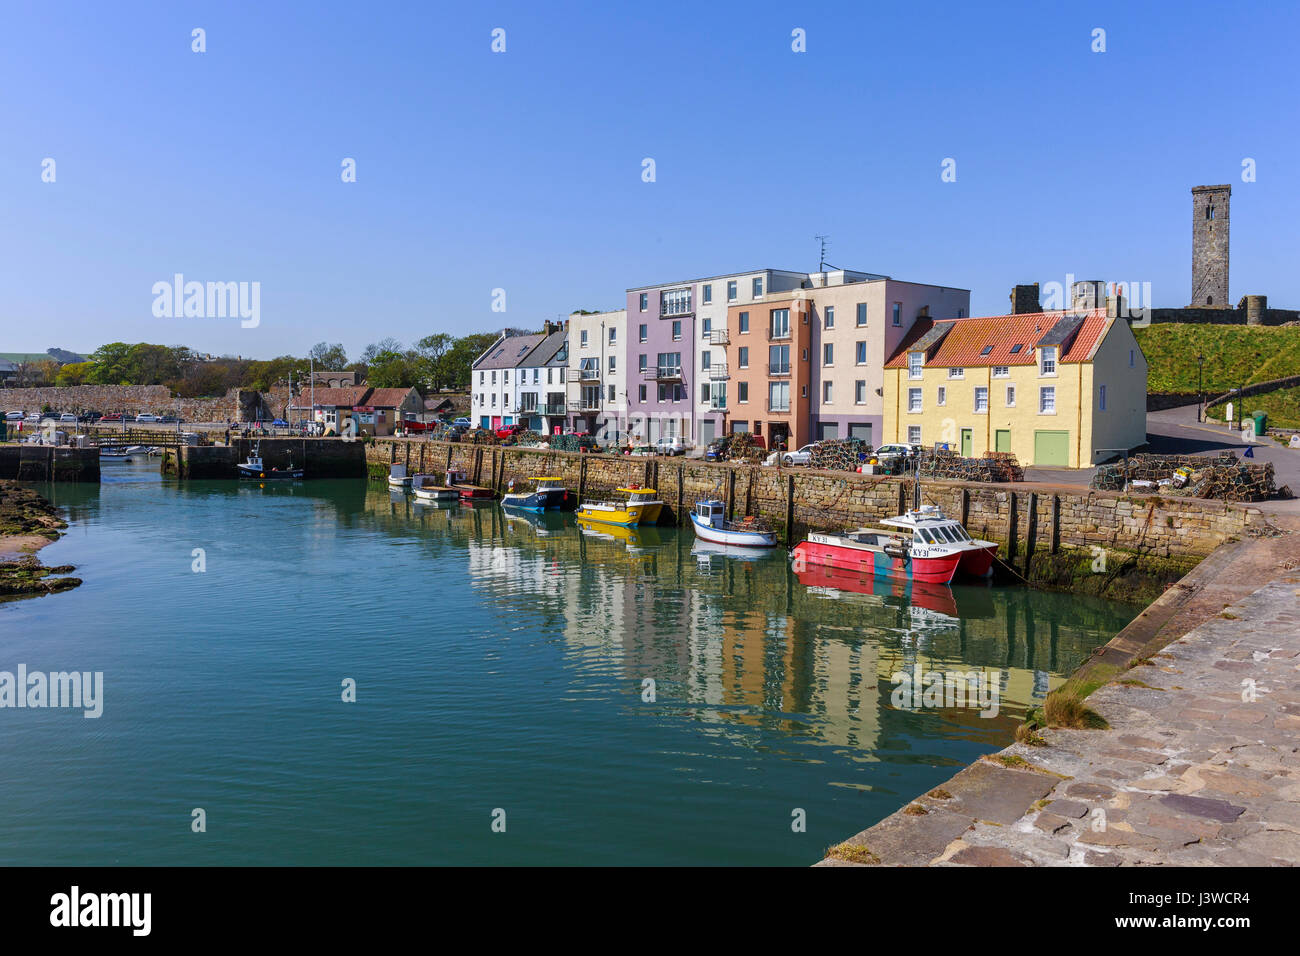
597, 387
495, 380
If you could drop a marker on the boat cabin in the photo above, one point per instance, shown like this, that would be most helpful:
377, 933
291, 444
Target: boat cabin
639, 496
711, 512
547, 484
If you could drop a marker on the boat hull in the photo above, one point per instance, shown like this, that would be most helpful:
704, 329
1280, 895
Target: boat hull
977, 562
552, 499
736, 539
436, 494
624, 517
936, 570
269, 474
474, 492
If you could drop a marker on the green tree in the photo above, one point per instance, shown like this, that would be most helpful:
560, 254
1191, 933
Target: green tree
460, 358
432, 352
76, 373
328, 356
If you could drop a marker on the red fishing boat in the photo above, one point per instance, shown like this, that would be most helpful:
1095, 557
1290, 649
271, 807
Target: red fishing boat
920, 545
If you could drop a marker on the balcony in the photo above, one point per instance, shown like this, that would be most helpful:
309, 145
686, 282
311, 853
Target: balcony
664, 373
590, 374
585, 405
719, 337
718, 372
781, 408
777, 371
553, 409
778, 335
717, 404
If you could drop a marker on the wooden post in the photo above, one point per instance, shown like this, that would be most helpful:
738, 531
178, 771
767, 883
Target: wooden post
392, 453
965, 506
1056, 523
681, 489
749, 493
423, 446
582, 480
450, 449
1011, 529
408, 457
731, 494
789, 511
902, 495
1032, 529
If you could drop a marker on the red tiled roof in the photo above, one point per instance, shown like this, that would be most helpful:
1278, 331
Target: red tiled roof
339, 397
386, 397
967, 338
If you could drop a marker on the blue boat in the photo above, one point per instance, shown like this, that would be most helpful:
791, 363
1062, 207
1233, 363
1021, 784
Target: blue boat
548, 494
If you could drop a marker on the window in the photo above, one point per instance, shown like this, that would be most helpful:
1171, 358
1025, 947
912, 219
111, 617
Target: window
778, 360
677, 330
742, 356
613, 335
1015, 349
1047, 360
611, 363
828, 317
582, 338
744, 322
1209, 212
981, 399
1011, 396
780, 325
778, 397
494, 378
1101, 397
561, 376
645, 302
758, 287
505, 377
494, 399
943, 395
826, 392
956, 372
611, 393
480, 377
641, 361
1047, 400
862, 314
803, 390
670, 364
663, 392
898, 314
860, 353
706, 328
742, 391
860, 392
914, 434
986, 350
1001, 371
828, 354
675, 302
704, 393
640, 393
706, 294
731, 291
914, 362
548, 375
706, 359
913, 399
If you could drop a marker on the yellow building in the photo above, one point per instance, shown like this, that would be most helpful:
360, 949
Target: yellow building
1053, 388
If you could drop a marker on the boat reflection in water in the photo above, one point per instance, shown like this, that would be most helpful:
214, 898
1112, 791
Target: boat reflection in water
636, 537
709, 555
540, 523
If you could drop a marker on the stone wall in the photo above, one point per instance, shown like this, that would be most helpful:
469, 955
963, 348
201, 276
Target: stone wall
1242, 316
49, 463
1021, 517
237, 404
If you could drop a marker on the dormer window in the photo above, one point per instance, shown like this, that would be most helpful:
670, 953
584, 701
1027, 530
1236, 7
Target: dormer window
915, 362
1047, 360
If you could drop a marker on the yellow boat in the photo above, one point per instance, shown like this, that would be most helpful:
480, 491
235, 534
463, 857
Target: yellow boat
641, 507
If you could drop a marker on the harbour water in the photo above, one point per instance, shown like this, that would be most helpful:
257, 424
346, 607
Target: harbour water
615, 697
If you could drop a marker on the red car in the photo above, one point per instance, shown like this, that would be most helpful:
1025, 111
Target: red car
114, 417
505, 431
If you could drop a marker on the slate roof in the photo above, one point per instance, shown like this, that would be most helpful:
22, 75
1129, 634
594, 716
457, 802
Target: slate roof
510, 352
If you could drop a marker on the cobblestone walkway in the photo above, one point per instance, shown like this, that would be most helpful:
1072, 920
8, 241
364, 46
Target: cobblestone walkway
1200, 766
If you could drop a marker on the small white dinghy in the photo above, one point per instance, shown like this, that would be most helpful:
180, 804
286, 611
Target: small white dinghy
397, 477
427, 488
710, 520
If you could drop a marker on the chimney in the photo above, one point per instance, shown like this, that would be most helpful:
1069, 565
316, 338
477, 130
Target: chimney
1024, 300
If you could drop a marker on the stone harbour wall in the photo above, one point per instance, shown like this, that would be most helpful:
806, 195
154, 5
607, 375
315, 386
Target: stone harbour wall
235, 405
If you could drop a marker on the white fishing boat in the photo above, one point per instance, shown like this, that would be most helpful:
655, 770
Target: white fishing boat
113, 453
254, 468
710, 520
397, 477
427, 488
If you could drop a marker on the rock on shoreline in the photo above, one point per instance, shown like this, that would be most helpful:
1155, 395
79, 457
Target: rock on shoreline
27, 523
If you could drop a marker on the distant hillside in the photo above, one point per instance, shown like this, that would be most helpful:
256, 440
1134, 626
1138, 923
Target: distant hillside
1235, 355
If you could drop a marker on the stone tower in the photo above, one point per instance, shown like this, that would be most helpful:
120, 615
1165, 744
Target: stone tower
1210, 246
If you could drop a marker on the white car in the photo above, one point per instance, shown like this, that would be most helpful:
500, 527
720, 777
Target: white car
147, 419
68, 417
897, 451
670, 445
15, 416
800, 456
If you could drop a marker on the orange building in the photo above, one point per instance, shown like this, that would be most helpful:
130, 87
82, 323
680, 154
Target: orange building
768, 375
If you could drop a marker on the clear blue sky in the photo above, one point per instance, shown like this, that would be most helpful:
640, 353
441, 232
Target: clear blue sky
522, 170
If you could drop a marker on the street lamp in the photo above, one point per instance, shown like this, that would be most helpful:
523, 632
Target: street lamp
1200, 394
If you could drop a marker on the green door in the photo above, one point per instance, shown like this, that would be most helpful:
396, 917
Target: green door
1002, 439
1051, 448
966, 442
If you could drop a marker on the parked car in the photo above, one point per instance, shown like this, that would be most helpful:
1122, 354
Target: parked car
800, 456
505, 431
168, 419
146, 419
897, 451
89, 417
112, 417
68, 417
279, 423
15, 416
670, 445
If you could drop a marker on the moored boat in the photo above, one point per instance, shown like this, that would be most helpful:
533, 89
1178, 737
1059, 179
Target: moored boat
709, 518
114, 453
254, 468
425, 488
547, 493
397, 477
920, 545
641, 507
458, 479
